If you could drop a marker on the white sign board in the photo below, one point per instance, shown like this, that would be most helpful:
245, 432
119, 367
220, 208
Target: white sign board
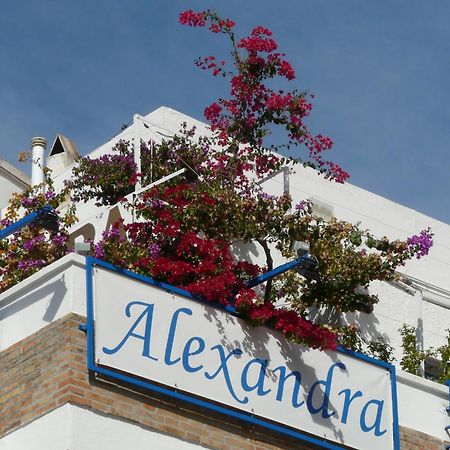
194, 348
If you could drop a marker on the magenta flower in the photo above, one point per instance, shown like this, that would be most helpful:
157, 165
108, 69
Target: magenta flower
420, 244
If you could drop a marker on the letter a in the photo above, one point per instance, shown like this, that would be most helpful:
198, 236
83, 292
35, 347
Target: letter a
376, 425
148, 313
259, 385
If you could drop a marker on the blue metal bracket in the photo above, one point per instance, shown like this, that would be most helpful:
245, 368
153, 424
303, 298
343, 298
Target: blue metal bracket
83, 327
43, 217
306, 265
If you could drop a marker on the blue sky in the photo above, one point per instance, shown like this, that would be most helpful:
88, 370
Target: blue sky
380, 71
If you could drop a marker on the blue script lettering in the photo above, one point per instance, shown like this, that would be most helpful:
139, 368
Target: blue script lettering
170, 338
377, 423
297, 383
224, 368
259, 385
247, 375
347, 402
326, 394
148, 313
188, 353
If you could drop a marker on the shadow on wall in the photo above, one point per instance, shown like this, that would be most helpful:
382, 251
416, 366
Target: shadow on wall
55, 290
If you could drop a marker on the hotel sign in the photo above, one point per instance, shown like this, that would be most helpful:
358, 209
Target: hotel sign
159, 337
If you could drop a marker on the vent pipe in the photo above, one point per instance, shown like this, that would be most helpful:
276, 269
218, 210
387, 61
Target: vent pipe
38, 146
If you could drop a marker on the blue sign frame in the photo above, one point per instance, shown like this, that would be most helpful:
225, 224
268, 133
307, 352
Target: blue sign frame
204, 403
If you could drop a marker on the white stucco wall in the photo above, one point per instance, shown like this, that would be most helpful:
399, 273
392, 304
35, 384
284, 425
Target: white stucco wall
422, 405
46, 296
11, 180
70, 427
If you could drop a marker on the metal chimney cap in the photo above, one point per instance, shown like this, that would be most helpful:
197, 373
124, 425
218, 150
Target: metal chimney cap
39, 141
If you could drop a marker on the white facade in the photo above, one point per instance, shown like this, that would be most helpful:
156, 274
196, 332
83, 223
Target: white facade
11, 180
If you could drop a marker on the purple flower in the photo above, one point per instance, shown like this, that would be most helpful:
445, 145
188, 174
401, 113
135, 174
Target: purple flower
31, 243
50, 195
30, 264
113, 233
98, 251
301, 206
27, 202
266, 196
156, 203
59, 239
420, 244
154, 250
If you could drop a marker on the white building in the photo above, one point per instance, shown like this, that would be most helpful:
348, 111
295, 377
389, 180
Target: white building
45, 383
11, 180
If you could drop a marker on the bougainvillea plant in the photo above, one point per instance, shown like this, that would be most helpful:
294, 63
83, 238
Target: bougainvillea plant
32, 247
187, 229
246, 118
188, 226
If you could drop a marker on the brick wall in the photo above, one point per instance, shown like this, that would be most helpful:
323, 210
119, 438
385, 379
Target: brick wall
48, 369
415, 440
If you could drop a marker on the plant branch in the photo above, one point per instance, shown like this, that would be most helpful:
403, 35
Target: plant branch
269, 261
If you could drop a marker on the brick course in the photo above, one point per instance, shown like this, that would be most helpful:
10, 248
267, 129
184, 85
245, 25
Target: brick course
48, 369
415, 440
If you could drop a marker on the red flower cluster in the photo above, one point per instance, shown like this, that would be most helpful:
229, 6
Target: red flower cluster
278, 101
204, 267
247, 116
336, 172
291, 324
222, 26
258, 41
265, 164
201, 265
287, 321
285, 70
212, 112
209, 63
192, 19
319, 144
166, 226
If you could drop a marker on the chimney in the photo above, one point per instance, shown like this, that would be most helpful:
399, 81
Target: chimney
62, 154
38, 146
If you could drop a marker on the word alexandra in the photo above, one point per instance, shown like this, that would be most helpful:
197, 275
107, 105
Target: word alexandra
240, 382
